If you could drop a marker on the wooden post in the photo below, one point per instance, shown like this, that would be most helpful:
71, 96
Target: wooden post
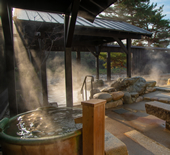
128, 47
68, 77
108, 67
44, 80
6, 18
97, 67
93, 127
78, 57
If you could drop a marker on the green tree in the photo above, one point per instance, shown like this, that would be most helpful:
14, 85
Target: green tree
144, 15
118, 60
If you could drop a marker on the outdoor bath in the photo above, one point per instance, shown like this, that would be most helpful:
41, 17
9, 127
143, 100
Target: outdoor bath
28, 133
50, 130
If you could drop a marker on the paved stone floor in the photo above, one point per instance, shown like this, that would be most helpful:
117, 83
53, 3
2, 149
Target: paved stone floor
133, 118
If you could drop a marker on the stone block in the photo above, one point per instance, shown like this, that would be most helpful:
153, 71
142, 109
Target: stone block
114, 146
113, 104
158, 109
117, 95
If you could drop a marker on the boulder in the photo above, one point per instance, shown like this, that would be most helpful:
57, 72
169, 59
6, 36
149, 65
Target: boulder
98, 83
127, 98
123, 83
134, 94
150, 89
150, 83
103, 95
95, 91
117, 95
113, 104
139, 99
139, 86
108, 89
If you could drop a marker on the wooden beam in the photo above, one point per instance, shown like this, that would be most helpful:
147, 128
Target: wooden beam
6, 18
105, 33
121, 45
108, 67
129, 60
71, 23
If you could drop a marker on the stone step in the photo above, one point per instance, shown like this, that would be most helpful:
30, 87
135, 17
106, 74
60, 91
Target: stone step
166, 89
161, 99
148, 143
114, 146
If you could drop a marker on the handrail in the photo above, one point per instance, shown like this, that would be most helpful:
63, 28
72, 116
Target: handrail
84, 84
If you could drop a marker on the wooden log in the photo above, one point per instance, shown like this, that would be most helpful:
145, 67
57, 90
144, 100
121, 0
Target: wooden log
93, 127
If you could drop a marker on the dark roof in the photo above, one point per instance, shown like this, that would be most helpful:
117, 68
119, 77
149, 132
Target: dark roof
88, 9
98, 23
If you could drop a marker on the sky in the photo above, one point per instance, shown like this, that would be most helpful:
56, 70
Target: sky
166, 8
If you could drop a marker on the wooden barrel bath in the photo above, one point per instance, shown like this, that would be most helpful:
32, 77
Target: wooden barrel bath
66, 144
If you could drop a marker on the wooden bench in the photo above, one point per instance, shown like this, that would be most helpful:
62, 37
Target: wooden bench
160, 110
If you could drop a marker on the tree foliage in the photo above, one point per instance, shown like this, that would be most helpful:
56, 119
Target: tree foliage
118, 60
144, 15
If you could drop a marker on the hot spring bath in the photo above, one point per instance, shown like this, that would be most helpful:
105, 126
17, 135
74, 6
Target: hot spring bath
43, 131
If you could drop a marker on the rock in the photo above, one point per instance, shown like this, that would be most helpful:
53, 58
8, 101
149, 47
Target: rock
133, 99
95, 91
150, 89
127, 98
146, 92
98, 83
134, 94
54, 104
117, 95
139, 86
121, 84
150, 83
113, 104
139, 99
108, 89
103, 95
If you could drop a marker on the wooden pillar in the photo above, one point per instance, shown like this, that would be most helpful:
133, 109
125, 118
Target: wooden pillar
69, 26
108, 67
6, 18
93, 126
97, 67
44, 80
78, 58
68, 77
129, 63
